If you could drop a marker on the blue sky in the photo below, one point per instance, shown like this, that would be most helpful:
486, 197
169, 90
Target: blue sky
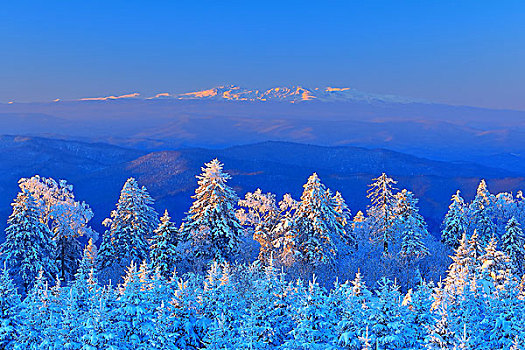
460, 52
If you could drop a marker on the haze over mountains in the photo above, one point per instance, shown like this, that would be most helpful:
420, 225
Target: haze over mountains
227, 116
97, 143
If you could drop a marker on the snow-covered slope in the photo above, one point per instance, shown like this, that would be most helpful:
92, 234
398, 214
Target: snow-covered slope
284, 94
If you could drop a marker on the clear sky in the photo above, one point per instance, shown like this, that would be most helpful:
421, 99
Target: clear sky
460, 52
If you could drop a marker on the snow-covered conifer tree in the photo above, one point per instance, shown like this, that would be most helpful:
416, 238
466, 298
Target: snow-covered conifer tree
211, 224
481, 210
381, 213
345, 219
513, 244
28, 246
314, 328
316, 224
455, 222
386, 320
163, 253
130, 227
133, 313
412, 226
9, 307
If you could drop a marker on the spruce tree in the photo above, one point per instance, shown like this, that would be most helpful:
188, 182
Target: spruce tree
381, 213
412, 226
163, 253
28, 245
9, 308
455, 222
481, 210
316, 224
130, 227
211, 224
513, 244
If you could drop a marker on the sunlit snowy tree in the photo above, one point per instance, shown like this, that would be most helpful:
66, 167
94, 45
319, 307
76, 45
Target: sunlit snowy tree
211, 224
66, 218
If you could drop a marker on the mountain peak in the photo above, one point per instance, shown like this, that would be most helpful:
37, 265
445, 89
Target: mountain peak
292, 94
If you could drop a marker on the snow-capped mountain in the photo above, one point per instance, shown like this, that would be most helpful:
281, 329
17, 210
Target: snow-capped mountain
284, 94
291, 94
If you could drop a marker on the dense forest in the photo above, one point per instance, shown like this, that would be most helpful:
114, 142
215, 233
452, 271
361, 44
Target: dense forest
262, 273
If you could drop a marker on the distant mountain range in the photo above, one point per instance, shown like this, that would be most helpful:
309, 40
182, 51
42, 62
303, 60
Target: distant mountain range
99, 170
291, 94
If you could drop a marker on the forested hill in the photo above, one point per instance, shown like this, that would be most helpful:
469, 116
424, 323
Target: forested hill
98, 171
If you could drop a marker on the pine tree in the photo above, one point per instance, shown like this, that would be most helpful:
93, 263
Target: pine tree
455, 222
412, 226
211, 224
316, 224
28, 245
481, 212
163, 253
381, 213
130, 227
513, 244
9, 308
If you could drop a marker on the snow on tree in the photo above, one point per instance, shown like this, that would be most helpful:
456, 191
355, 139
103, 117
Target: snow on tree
211, 224
355, 306
381, 213
38, 326
462, 268
345, 219
260, 211
494, 268
513, 244
133, 313
163, 253
481, 210
89, 259
419, 318
455, 222
221, 307
28, 246
316, 225
386, 318
412, 226
441, 335
66, 218
9, 304
130, 227
314, 328
285, 242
